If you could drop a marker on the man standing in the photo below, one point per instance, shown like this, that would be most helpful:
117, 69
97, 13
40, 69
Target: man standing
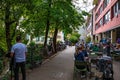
19, 51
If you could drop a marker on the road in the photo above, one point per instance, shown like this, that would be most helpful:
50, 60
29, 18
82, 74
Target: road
60, 67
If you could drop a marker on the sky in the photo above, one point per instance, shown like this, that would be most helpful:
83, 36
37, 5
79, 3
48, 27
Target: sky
80, 5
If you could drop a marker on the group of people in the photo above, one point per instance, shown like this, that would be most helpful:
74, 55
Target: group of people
104, 46
82, 49
82, 52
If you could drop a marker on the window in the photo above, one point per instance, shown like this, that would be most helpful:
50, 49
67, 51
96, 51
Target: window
107, 17
101, 9
101, 22
119, 6
106, 2
115, 9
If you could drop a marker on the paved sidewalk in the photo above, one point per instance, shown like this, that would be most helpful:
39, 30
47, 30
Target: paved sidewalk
59, 67
116, 67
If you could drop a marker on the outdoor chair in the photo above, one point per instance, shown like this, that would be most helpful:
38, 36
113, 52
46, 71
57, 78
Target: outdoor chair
80, 69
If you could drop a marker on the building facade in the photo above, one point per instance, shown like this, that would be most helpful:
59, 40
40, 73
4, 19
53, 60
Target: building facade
41, 39
89, 24
106, 20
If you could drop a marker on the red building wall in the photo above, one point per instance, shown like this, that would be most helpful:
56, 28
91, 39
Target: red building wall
113, 23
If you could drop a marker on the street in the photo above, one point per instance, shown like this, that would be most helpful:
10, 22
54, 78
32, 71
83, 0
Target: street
60, 67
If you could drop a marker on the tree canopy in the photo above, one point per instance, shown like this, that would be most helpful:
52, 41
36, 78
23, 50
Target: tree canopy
36, 18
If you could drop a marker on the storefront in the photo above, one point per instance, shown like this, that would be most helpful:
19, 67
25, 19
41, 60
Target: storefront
117, 33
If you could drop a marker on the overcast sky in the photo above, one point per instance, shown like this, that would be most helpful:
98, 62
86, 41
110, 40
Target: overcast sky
83, 6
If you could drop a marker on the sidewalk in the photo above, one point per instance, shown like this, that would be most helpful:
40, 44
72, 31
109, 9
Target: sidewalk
59, 67
116, 68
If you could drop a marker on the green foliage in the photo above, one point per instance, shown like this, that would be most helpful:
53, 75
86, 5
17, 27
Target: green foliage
2, 37
6, 76
21, 17
88, 39
34, 54
1, 52
76, 34
85, 13
32, 44
95, 2
11, 12
25, 41
74, 37
1, 66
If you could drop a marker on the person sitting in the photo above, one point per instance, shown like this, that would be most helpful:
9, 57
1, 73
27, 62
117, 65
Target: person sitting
79, 55
95, 48
85, 52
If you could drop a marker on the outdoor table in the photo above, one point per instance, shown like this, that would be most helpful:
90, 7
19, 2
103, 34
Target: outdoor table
94, 56
117, 51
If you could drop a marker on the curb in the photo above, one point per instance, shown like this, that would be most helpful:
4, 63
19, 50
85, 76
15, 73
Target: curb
51, 57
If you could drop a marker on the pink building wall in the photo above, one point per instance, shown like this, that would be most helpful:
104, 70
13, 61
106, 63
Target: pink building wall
113, 23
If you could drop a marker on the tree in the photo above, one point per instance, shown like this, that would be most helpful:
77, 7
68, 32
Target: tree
74, 37
65, 18
88, 39
53, 14
11, 12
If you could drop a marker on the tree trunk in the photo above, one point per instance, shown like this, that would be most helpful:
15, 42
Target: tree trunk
55, 39
7, 28
47, 30
46, 33
48, 24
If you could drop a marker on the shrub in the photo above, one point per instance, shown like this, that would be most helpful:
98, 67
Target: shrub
1, 66
34, 54
73, 39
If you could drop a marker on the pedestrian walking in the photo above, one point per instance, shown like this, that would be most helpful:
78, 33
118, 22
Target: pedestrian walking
18, 51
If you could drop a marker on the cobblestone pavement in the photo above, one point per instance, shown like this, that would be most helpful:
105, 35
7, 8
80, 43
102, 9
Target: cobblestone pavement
60, 67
